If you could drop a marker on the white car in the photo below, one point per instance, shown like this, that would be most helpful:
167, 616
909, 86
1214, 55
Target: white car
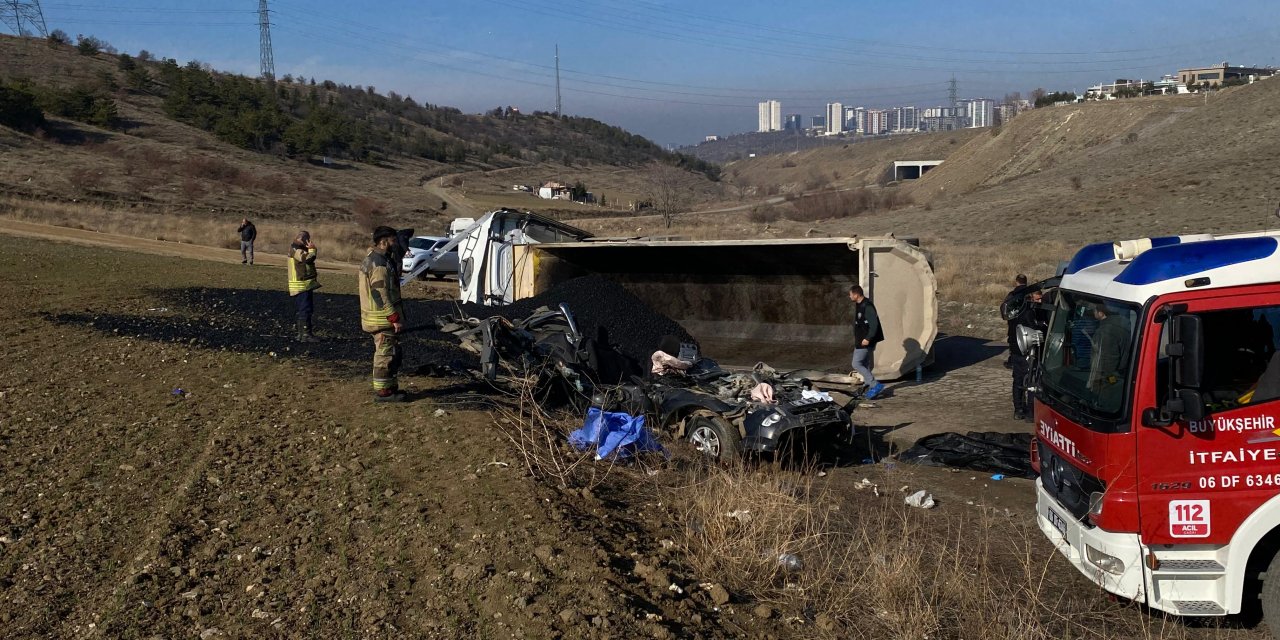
422, 248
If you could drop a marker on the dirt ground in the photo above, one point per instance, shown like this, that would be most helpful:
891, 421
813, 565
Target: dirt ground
171, 466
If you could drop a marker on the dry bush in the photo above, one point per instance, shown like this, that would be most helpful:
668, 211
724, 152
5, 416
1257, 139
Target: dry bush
368, 213
763, 214
874, 568
984, 274
210, 169
192, 189
829, 205
85, 179
541, 441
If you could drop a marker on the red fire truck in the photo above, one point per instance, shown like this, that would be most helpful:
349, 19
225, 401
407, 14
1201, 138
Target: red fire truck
1157, 439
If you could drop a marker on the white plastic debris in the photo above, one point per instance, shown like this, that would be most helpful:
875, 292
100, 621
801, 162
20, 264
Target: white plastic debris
921, 499
741, 515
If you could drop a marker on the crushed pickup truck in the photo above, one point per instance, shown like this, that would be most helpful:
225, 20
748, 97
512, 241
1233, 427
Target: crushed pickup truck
722, 413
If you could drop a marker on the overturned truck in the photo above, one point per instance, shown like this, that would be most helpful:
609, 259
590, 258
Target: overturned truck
781, 301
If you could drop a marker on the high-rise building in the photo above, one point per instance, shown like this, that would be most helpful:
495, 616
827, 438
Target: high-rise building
770, 116
908, 119
877, 122
891, 121
795, 122
835, 118
860, 120
982, 112
818, 122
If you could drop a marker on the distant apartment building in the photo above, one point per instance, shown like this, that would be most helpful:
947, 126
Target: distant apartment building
850, 119
711, 138
1217, 74
981, 112
941, 119
877, 122
891, 122
1169, 84
818, 122
908, 119
770, 116
795, 122
860, 120
834, 118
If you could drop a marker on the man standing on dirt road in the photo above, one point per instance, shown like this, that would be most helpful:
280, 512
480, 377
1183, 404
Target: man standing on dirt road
303, 283
248, 233
382, 313
866, 333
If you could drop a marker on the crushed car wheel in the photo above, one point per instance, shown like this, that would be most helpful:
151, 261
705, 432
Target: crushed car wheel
713, 436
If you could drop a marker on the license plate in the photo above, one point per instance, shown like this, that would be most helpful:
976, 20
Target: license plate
1057, 521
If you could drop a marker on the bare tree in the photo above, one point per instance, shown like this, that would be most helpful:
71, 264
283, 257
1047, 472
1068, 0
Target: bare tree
668, 193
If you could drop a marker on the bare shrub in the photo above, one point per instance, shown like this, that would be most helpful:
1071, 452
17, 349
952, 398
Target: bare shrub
368, 212
85, 179
192, 189
541, 441
828, 205
209, 169
788, 163
1076, 182
764, 214
872, 567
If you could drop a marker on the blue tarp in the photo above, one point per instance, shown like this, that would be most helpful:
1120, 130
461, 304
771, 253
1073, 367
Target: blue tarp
611, 432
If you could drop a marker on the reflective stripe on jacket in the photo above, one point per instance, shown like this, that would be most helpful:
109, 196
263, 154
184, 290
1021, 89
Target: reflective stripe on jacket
379, 284
302, 270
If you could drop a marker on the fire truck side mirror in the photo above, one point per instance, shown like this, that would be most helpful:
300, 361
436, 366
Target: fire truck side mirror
1186, 350
1188, 404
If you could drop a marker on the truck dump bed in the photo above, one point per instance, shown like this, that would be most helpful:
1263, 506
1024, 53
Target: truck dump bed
784, 302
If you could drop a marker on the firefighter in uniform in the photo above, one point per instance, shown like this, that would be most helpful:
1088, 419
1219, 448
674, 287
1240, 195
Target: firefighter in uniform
381, 312
303, 283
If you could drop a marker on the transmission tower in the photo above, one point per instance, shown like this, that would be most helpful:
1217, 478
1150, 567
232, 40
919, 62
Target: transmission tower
264, 28
953, 92
558, 80
23, 15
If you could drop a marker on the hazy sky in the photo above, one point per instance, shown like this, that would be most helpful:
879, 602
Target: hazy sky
677, 70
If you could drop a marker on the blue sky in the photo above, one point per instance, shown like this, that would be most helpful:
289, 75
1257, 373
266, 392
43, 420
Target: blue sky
677, 70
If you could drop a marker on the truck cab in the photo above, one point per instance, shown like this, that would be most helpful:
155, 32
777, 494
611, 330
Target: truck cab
1157, 443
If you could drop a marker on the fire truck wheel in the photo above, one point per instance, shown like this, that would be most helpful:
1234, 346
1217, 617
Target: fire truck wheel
1270, 596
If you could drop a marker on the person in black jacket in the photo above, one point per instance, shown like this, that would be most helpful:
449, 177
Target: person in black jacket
248, 233
1019, 283
866, 333
1030, 317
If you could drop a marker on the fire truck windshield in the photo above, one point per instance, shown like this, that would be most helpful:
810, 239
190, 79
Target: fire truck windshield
1088, 355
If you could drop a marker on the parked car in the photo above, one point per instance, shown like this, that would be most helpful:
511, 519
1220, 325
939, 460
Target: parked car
422, 248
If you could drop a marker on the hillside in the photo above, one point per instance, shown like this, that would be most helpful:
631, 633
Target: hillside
145, 133
842, 164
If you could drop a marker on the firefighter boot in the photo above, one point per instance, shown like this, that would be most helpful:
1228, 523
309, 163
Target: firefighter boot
304, 335
310, 336
390, 395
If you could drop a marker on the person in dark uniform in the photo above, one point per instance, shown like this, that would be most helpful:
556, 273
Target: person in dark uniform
1019, 283
1020, 361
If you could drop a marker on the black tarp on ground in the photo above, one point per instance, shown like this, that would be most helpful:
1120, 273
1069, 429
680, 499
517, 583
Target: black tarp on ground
1007, 453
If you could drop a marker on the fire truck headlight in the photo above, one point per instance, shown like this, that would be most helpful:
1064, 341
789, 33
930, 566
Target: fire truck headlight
1108, 563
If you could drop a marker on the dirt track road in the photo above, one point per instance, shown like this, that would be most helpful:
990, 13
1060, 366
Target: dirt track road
152, 247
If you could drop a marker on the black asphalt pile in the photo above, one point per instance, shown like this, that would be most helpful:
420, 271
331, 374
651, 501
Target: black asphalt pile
596, 301
262, 321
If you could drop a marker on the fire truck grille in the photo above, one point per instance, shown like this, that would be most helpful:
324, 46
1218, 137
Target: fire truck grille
1069, 485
